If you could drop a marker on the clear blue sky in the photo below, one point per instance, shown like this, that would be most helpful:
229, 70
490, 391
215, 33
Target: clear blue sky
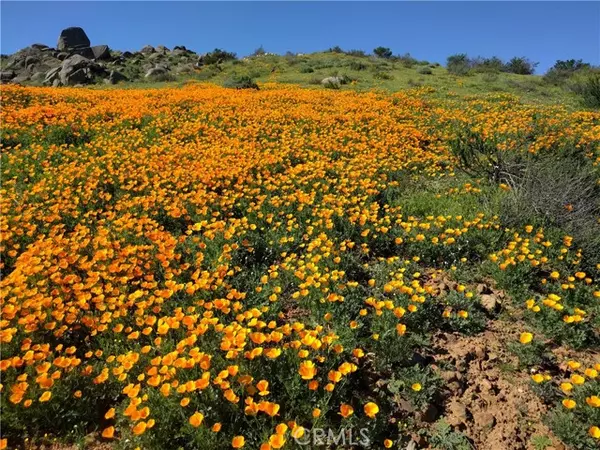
542, 31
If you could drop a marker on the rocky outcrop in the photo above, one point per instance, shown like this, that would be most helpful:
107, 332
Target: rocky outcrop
75, 62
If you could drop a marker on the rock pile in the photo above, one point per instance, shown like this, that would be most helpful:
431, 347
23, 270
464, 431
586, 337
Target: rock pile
75, 62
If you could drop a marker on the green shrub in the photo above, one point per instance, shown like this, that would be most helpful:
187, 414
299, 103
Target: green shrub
563, 70
306, 69
406, 60
357, 65
218, 56
382, 52
240, 82
380, 75
520, 66
458, 64
490, 77
588, 89
358, 53
425, 70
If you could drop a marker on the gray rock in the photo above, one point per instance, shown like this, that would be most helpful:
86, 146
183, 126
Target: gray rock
101, 52
52, 75
127, 55
62, 56
86, 52
72, 38
114, 77
56, 83
20, 78
333, 81
7, 75
38, 77
155, 72
80, 76
31, 60
77, 69
162, 49
40, 47
147, 50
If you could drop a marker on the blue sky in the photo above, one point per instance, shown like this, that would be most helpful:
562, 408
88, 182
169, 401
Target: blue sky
542, 31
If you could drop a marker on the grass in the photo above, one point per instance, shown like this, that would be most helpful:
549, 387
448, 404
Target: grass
371, 73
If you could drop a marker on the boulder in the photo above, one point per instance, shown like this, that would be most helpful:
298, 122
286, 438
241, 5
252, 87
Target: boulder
20, 78
7, 75
147, 50
155, 72
334, 81
101, 52
38, 77
77, 69
127, 55
86, 52
62, 56
80, 76
52, 75
162, 49
72, 38
114, 77
40, 47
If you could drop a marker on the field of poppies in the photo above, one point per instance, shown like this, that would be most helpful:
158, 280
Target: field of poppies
206, 268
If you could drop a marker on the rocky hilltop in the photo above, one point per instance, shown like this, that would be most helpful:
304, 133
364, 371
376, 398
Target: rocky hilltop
75, 61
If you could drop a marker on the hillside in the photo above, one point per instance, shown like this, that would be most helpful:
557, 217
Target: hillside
75, 63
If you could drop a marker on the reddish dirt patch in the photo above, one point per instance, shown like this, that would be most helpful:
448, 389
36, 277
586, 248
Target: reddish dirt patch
490, 402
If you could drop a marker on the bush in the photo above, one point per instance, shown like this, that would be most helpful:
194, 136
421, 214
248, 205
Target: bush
240, 82
458, 64
166, 76
379, 75
520, 66
490, 77
358, 53
493, 64
356, 65
218, 56
426, 70
336, 49
589, 90
406, 60
563, 70
557, 188
306, 69
260, 51
382, 52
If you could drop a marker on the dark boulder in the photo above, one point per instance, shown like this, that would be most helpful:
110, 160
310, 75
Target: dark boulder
7, 75
114, 77
147, 50
72, 38
101, 52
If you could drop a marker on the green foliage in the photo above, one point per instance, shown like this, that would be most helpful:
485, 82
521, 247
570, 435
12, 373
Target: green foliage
520, 66
588, 88
425, 70
382, 52
563, 70
443, 437
260, 51
240, 82
218, 56
569, 429
381, 75
458, 64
